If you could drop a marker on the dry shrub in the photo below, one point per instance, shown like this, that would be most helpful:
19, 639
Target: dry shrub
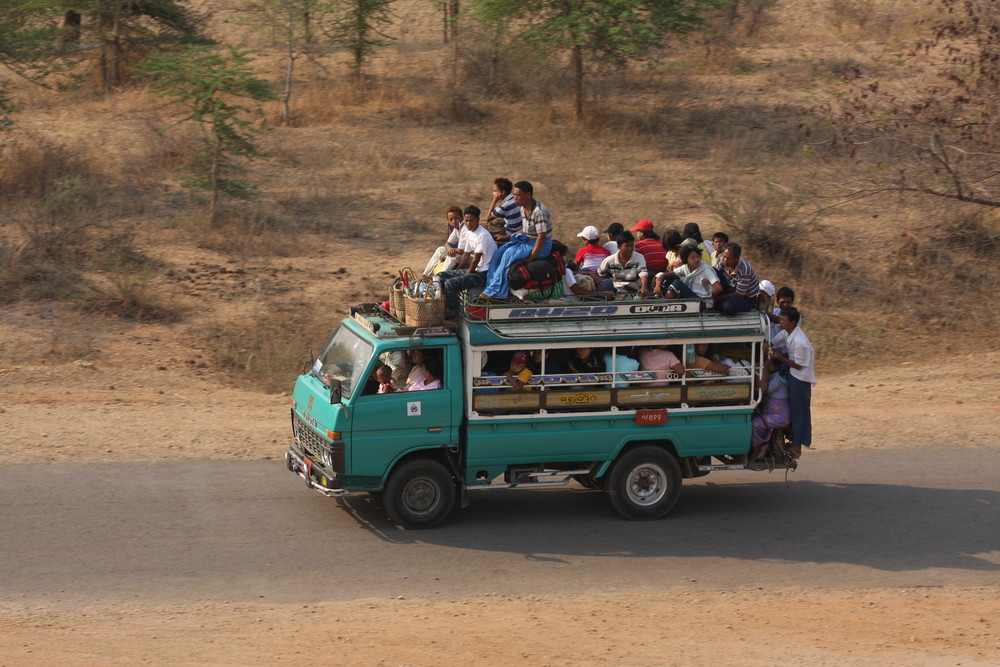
70, 344
265, 346
243, 232
131, 294
128, 284
43, 259
31, 167
770, 222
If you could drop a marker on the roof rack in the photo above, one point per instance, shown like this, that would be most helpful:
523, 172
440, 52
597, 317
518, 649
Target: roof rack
496, 321
381, 323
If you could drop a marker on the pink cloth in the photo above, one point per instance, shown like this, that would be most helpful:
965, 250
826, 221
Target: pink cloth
655, 359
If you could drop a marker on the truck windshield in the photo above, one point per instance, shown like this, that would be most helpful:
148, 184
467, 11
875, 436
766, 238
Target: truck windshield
344, 357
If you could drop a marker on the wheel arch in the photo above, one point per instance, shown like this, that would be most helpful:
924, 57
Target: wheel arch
666, 444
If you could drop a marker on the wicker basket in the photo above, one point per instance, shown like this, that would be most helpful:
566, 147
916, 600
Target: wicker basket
397, 294
427, 308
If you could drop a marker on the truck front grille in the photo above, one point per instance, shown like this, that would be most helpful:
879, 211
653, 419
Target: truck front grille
330, 454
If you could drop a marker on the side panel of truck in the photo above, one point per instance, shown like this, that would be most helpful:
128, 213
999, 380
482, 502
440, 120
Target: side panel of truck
599, 438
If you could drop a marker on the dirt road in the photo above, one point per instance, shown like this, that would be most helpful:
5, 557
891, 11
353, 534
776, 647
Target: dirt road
883, 550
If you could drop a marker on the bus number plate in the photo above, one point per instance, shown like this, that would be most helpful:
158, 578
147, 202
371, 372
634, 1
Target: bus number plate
654, 417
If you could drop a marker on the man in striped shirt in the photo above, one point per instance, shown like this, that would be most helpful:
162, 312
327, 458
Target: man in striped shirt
503, 207
740, 282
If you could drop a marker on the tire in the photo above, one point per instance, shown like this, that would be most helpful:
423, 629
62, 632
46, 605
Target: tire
420, 494
644, 483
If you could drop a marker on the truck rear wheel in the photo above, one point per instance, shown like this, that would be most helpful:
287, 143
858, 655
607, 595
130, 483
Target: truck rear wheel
419, 494
644, 483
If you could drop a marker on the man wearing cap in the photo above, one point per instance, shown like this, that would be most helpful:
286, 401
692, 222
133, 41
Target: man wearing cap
590, 256
650, 246
740, 282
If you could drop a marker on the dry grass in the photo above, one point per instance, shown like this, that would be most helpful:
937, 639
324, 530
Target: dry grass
372, 166
263, 344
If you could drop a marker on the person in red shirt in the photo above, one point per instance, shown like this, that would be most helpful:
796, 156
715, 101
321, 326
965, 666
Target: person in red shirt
650, 246
590, 256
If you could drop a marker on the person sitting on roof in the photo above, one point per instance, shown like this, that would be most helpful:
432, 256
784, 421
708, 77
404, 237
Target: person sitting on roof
672, 246
719, 241
477, 247
612, 232
650, 246
626, 268
692, 236
534, 243
503, 208
740, 282
691, 280
592, 253
448, 253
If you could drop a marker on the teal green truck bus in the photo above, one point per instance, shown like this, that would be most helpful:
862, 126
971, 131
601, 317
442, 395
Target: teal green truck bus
612, 426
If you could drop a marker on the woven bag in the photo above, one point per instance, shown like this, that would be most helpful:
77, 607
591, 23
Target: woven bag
426, 307
397, 293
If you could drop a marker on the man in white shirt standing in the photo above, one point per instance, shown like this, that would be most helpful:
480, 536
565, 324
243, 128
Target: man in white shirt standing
477, 246
801, 378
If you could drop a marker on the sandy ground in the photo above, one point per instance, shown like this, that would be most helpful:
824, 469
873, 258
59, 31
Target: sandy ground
146, 396
781, 626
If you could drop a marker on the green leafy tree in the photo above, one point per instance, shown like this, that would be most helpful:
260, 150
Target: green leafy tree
214, 87
30, 41
293, 26
593, 31
39, 38
358, 26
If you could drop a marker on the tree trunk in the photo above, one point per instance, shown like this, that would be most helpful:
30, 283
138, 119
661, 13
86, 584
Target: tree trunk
577, 58
445, 9
71, 27
214, 168
289, 72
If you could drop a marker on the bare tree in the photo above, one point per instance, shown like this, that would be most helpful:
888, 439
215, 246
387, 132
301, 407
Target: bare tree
940, 140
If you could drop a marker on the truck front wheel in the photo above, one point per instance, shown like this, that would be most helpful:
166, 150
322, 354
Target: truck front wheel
644, 483
419, 494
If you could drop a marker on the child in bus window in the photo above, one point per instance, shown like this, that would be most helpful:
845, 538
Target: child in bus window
518, 374
384, 376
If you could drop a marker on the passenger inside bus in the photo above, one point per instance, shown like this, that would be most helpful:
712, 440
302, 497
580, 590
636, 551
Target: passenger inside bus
519, 373
384, 376
704, 361
430, 377
584, 360
660, 359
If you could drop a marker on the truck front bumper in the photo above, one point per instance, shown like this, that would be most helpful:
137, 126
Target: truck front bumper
315, 475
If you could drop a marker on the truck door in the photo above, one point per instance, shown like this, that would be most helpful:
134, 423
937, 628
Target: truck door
385, 426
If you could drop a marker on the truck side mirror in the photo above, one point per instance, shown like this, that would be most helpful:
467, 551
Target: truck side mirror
335, 391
